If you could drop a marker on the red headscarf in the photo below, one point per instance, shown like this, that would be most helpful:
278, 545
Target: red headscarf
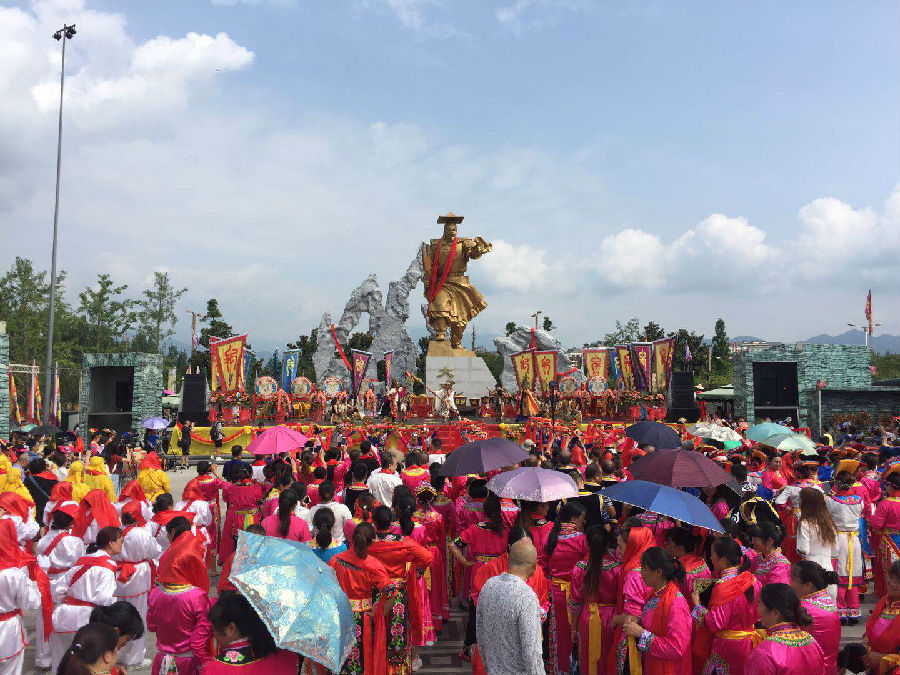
11, 555
61, 492
639, 540
133, 508
70, 508
133, 490
164, 517
183, 563
151, 461
95, 506
192, 492
14, 504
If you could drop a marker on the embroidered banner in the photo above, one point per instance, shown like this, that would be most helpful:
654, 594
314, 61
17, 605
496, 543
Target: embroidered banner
388, 367
625, 365
596, 362
14, 411
662, 364
289, 368
641, 362
360, 360
227, 360
546, 368
523, 367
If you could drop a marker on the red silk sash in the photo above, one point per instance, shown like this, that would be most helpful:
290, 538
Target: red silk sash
433, 287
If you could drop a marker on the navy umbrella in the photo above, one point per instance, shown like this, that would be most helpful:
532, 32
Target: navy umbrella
481, 456
653, 433
680, 468
664, 500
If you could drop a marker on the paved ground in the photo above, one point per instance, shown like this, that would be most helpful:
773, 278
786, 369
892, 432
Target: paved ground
441, 659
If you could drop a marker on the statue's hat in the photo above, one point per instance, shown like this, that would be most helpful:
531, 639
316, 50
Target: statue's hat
449, 218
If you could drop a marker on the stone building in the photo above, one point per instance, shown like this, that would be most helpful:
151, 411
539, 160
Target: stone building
783, 381
119, 390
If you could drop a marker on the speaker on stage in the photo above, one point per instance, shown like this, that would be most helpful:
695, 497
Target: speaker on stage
194, 398
682, 403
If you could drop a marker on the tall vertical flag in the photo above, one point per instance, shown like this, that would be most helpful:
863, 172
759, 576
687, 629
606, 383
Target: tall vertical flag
227, 361
662, 364
289, 368
596, 362
388, 367
55, 406
33, 409
546, 368
248, 360
14, 410
642, 351
625, 365
523, 367
360, 361
869, 310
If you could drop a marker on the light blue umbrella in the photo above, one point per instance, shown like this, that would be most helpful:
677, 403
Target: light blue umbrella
789, 442
156, 423
760, 431
297, 596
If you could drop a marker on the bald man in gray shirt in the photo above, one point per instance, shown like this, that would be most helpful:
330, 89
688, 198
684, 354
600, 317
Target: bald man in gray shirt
508, 618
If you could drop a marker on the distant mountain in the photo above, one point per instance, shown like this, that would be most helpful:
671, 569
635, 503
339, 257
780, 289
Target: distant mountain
879, 343
745, 338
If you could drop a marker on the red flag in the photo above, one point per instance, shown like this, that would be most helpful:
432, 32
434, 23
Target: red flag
869, 310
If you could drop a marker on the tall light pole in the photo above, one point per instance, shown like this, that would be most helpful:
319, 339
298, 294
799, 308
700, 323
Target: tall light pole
63, 34
865, 329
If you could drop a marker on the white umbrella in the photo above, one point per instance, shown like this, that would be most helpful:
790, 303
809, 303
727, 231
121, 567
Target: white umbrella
714, 431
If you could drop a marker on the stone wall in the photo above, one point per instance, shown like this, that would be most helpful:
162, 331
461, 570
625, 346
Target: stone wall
841, 366
874, 400
148, 384
519, 340
4, 382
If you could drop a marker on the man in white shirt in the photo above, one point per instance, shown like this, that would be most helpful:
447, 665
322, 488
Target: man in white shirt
382, 483
341, 513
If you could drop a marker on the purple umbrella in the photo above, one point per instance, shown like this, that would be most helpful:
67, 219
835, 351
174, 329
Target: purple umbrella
534, 484
275, 440
679, 468
481, 456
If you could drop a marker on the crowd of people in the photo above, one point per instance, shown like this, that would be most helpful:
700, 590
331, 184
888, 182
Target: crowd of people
582, 585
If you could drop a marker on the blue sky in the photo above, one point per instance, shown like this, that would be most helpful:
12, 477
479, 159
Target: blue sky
674, 161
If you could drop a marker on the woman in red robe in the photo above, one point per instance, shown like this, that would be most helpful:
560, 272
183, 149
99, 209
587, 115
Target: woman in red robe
436, 543
405, 561
368, 585
243, 499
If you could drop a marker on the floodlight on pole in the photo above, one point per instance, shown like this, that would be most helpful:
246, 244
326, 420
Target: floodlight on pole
64, 34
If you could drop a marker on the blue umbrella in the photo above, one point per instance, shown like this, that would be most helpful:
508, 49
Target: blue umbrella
155, 423
664, 500
656, 434
761, 431
297, 596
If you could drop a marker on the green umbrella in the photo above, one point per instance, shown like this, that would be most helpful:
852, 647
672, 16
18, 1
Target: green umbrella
789, 442
760, 431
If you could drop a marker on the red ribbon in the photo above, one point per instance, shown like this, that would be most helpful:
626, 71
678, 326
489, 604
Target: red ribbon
340, 349
432, 294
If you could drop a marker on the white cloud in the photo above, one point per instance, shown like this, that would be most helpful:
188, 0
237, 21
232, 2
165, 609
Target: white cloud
512, 268
524, 15
414, 15
632, 258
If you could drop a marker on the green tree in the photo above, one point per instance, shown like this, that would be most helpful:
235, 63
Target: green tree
653, 331
548, 324
307, 344
510, 328
420, 364
721, 349
887, 365
214, 326
698, 350
24, 293
630, 331
360, 341
107, 315
494, 362
156, 315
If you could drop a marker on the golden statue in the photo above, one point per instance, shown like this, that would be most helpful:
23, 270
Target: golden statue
452, 300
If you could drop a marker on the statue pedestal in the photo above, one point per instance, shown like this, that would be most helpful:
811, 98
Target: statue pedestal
470, 374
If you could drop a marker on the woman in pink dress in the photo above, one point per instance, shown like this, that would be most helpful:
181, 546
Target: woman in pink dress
810, 581
533, 517
283, 523
884, 534
416, 471
683, 544
883, 627
771, 566
242, 498
787, 648
245, 645
435, 541
566, 546
177, 608
661, 636
593, 600
724, 616
773, 478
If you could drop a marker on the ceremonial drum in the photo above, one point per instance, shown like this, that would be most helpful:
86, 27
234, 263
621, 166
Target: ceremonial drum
332, 386
568, 385
596, 386
301, 387
266, 387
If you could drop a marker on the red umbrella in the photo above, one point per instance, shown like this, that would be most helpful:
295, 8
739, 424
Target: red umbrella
680, 468
275, 440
